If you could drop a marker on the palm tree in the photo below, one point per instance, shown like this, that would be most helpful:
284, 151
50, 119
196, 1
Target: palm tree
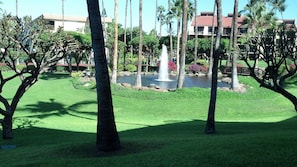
139, 66
156, 16
210, 125
196, 34
131, 28
115, 51
257, 18
125, 33
169, 17
161, 18
177, 10
210, 66
233, 48
181, 74
107, 135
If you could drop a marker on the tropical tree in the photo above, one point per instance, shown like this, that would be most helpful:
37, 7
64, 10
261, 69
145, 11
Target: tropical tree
181, 74
196, 34
169, 22
161, 18
177, 10
125, 33
279, 58
39, 50
115, 51
139, 65
209, 74
210, 124
107, 136
233, 48
82, 49
156, 16
259, 17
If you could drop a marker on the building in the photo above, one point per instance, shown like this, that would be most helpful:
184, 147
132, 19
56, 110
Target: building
70, 23
204, 24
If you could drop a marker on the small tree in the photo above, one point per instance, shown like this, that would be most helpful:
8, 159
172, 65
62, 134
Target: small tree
39, 50
277, 49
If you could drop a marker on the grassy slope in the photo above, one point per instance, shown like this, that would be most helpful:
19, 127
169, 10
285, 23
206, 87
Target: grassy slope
257, 128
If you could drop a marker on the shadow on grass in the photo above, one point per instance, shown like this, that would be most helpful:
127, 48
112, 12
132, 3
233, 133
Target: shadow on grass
163, 138
54, 76
53, 108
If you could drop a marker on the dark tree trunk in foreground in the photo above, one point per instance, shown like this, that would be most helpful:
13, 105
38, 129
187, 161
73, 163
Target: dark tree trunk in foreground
107, 136
210, 125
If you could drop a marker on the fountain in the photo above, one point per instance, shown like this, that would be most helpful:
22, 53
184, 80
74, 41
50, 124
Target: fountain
163, 69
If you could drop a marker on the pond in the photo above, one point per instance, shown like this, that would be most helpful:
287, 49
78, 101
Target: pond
190, 81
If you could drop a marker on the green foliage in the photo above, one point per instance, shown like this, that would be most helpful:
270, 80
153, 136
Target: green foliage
76, 74
131, 67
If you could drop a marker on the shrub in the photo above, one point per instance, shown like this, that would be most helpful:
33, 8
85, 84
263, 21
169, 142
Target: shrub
171, 66
76, 74
60, 68
198, 68
131, 67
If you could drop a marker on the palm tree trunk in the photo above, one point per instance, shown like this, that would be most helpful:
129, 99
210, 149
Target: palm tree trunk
210, 125
196, 35
139, 66
177, 46
181, 74
156, 14
131, 28
115, 52
209, 74
107, 135
235, 83
125, 34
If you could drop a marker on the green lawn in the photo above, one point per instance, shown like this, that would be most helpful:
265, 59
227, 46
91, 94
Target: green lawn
56, 125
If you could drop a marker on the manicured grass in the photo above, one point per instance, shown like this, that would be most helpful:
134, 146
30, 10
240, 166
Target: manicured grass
57, 126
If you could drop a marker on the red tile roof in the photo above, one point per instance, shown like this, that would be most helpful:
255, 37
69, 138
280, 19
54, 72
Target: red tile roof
207, 21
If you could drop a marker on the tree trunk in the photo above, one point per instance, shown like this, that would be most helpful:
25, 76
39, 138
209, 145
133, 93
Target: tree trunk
139, 66
234, 53
178, 62
7, 127
107, 136
210, 125
115, 52
125, 34
209, 74
287, 95
181, 74
196, 35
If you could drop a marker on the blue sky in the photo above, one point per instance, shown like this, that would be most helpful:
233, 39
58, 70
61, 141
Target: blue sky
35, 8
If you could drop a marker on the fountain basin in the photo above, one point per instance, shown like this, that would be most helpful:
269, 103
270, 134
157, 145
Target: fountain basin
190, 81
